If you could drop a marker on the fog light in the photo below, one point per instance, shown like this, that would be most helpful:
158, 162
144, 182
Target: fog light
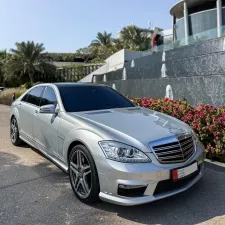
131, 190
130, 186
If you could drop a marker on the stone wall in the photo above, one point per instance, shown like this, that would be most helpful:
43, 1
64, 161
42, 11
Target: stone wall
195, 72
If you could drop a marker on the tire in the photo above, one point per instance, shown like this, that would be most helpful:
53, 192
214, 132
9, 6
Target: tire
83, 175
14, 132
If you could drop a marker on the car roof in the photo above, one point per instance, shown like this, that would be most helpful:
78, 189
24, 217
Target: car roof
73, 84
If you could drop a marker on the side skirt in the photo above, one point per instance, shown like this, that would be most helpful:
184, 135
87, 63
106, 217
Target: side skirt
52, 158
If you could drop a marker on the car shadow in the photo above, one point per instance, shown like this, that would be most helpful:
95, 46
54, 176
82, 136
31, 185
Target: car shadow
23, 145
204, 201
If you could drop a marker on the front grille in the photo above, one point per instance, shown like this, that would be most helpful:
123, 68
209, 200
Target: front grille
174, 149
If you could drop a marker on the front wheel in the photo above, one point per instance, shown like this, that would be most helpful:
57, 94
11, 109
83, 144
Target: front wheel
14, 132
83, 175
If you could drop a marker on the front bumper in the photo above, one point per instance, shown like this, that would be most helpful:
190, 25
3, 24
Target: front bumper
112, 174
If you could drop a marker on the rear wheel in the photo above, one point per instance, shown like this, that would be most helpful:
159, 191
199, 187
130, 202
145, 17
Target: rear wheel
83, 174
14, 132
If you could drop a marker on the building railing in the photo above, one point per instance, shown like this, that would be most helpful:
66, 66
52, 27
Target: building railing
193, 39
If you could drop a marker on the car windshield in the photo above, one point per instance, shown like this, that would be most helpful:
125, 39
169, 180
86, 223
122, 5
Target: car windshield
89, 98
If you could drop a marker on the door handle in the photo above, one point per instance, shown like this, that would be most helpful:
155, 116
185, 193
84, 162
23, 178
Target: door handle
36, 111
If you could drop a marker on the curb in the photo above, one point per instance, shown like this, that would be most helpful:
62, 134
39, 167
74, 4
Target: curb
215, 163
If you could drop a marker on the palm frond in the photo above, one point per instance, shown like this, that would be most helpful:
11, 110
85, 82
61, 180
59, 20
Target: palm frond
135, 38
104, 39
28, 58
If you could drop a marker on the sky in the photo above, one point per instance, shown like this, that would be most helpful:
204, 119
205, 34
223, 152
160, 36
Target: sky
67, 25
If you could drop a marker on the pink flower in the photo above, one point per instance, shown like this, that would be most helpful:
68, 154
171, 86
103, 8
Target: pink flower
145, 102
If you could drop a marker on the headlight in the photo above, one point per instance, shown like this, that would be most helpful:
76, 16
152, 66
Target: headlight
123, 153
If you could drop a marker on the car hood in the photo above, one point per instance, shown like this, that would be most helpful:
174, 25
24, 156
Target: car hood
134, 125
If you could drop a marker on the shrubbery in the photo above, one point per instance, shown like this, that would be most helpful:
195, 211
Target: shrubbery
207, 121
6, 95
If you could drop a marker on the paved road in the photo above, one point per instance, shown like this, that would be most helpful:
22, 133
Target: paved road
34, 191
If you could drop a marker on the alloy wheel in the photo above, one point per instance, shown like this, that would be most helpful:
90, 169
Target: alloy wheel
14, 130
80, 171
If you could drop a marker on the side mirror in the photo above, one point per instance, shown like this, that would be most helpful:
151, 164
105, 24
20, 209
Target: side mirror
48, 109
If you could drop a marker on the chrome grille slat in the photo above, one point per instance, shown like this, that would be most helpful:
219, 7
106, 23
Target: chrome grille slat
186, 142
186, 153
168, 152
165, 148
172, 157
187, 147
174, 149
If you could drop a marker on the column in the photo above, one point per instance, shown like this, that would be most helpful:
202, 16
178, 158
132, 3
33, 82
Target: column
174, 28
186, 22
219, 17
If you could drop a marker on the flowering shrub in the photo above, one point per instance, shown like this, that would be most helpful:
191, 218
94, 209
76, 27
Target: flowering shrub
207, 121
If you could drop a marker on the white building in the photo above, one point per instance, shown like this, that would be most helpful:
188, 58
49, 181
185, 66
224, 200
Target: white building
198, 17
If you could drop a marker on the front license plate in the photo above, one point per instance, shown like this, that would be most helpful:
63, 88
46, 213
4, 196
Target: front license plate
183, 172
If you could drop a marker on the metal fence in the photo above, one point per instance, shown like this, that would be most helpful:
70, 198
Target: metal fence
67, 74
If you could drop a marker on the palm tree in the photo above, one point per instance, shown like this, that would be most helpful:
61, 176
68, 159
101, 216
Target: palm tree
102, 39
3, 55
27, 59
100, 47
135, 38
85, 53
117, 45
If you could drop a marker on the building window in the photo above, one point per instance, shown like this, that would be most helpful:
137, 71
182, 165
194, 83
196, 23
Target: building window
223, 2
202, 7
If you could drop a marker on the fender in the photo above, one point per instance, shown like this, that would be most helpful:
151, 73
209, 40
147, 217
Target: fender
15, 113
89, 139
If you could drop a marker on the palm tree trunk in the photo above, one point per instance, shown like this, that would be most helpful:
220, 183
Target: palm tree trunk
31, 76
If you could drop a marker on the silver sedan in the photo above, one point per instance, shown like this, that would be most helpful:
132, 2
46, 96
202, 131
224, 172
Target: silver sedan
111, 148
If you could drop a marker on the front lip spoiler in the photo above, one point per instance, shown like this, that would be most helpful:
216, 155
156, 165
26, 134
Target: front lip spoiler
147, 199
